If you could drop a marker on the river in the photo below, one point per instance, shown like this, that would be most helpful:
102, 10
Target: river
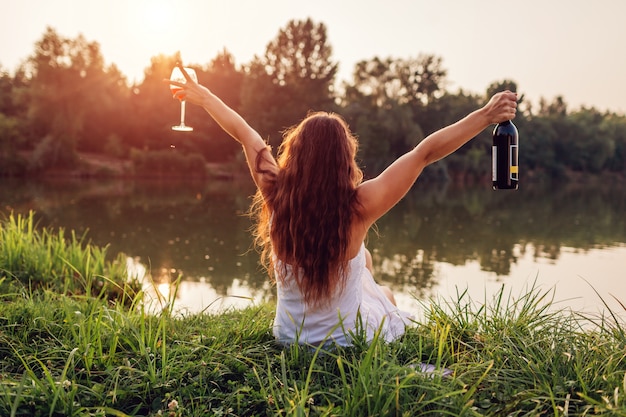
192, 239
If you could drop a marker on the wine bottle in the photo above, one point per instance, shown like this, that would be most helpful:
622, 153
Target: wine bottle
505, 168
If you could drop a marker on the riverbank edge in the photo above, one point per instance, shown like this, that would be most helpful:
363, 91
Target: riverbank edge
75, 355
97, 165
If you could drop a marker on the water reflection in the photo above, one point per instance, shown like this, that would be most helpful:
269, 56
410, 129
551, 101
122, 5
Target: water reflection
583, 281
435, 236
163, 292
494, 229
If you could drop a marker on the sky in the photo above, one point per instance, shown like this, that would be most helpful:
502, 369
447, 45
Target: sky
570, 48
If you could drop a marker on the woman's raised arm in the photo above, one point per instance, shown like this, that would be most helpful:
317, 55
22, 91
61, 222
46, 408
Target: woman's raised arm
230, 121
380, 194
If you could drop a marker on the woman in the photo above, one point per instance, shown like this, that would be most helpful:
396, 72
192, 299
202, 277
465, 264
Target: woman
314, 211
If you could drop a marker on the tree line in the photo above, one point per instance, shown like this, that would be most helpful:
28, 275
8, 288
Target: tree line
64, 100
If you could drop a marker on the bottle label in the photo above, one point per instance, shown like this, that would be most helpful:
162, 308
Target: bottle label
513, 158
494, 163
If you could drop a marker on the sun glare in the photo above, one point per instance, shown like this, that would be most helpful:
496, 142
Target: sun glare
157, 14
153, 18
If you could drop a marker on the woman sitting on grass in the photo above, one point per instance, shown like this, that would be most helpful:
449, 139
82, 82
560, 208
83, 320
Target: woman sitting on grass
314, 211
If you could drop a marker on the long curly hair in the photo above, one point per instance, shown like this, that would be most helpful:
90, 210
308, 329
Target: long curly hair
304, 218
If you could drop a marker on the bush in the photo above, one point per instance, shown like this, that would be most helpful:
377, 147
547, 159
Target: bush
114, 146
51, 153
168, 163
13, 165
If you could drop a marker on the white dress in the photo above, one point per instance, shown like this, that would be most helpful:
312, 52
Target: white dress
334, 322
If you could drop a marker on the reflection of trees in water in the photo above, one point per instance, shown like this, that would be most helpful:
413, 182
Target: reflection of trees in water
200, 229
493, 228
416, 271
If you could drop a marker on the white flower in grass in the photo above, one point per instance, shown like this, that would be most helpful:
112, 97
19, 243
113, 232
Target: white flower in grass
172, 405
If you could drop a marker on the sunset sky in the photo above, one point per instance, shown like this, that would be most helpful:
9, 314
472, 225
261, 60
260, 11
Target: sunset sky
573, 48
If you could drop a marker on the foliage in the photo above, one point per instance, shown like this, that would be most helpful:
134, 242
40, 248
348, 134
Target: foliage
72, 96
153, 108
34, 259
65, 100
223, 78
384, 134
294, 76
51, 152
416, 81
168, 163
11, 163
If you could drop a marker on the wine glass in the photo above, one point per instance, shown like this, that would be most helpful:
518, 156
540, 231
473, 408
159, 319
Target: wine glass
177, 75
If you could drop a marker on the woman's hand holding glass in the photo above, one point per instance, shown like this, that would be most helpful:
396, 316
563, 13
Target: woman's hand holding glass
179, 77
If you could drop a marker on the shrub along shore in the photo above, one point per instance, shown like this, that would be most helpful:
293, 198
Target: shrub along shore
75, 341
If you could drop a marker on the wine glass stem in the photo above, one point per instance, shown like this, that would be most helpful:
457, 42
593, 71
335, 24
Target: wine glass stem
182, 112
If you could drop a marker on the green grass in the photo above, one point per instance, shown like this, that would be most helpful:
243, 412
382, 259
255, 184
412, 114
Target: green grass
33, 259
81, 354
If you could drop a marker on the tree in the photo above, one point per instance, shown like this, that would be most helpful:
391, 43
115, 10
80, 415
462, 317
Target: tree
155, 111
73, 98
473, 160
384, 134
225, 80
415, 81
54, 86
7, 106
107, 115
10, 161
152, 108
556, 108
537, 148
386, 101
614, 127
591, 149
12, 111
294, 76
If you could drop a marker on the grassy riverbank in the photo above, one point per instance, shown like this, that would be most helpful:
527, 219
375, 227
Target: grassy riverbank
86, 353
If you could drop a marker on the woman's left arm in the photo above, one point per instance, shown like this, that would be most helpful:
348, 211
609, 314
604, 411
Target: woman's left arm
231, 122
380, 194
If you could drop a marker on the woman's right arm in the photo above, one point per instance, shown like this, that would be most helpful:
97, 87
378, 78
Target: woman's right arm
231, 122
380, 194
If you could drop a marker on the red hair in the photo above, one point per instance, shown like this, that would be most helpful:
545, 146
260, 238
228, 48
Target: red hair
311, 204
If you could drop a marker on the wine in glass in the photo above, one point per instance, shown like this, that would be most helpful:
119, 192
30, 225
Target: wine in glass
177, 75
